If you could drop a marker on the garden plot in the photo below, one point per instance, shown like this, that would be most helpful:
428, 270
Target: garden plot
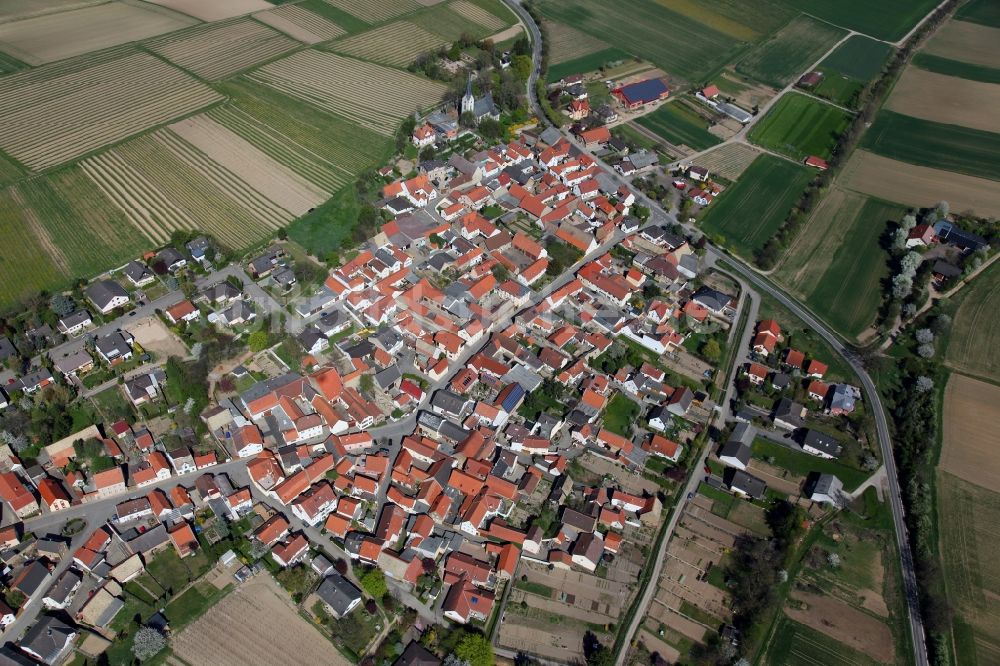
53, 37
51, 115
370, 95
214, 10
219, 50
398, 43
478, 15
376, 12
844, 624
947, 99
728, 161
301, 24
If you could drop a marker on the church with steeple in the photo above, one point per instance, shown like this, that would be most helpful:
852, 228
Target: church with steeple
479, 108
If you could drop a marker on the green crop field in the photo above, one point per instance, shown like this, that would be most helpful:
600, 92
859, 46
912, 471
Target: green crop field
10, 64
586, 63
975, 333
884, 19
858, 58
836, 263
984, 12
795, 644
800, 126
679, 125
963, 70
732, 17
681, 46
444, 21
838, 88
786, 55
927, 143
748, 213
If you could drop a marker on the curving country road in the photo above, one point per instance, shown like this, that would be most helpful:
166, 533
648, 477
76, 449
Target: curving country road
871, 393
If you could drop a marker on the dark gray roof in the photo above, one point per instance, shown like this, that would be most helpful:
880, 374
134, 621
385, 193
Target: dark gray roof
7, 349
449, 402
416, 654
821, 442
103, 291
748, 483
737, 450
136, 271
169, 256
309, 337
34, 574
338, 593
711, 298
220, 291
75, 318
48, 639
944, 268
113, 345
60, 591
388, 377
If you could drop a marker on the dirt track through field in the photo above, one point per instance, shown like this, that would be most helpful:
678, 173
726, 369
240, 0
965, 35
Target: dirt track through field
947, 99
971, 437
255, 624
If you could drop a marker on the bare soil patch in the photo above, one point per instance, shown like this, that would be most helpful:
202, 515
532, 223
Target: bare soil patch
153, 335
260, 603
919, 186
967, 42
844, 624
947, 99
729, 161
216, 9
971, 437
510, 33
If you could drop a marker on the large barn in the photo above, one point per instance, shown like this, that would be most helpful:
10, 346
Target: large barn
639, 93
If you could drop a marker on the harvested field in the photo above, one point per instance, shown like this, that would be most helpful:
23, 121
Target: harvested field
57, 36
728, 161
508, 34
398, 43
951, 100
844, 624
15, 10
53, 114
971, 440
216, 10
783, 57
566, 43
835, 263
967, 42
258, 602
912, 185
301, 24
375, 12
970, 527
477, 15
219, 50
370, 95
975, 333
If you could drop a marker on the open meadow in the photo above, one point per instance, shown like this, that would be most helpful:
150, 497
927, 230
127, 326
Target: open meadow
370, 95
783, 57
680, 125
946, 99
890, 20
942, 146
728, 161
681, 46
969, 523
53, 114
975, 331
800, 126
913, 185
836, 263
57, 36
748, 213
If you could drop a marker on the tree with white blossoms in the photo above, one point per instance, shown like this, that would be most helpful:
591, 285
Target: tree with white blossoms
924, 384
147, 643
908, 264
926, 351
925, 335
899, 237
909, 310
833, 559
908, 221
943, 209
902, 285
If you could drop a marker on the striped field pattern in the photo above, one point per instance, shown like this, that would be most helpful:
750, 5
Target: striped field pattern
376, 11
398, 43
301, 24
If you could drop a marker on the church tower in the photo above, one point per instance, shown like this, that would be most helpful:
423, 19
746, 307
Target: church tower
468, 101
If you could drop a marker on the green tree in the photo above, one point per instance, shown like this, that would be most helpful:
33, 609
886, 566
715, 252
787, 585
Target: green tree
521, 66
258, 341
711, 351
475, 649
366, 383
373, 582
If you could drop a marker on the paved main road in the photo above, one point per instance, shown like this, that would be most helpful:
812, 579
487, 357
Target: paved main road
871, 393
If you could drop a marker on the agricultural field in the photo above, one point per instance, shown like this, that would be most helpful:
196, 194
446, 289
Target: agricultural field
398, 44
983, 12
219, 50
968, 519
926, 143
301, 24
946, 99
967, 42
373, 96
376, 12
258, 602
587, 63
9, 171
795, 644
53, 114
478, 15
52, 37
975, 332
732, 18
450, 21
890, 20
836, 262
728, 161
679, 45
14, 10
748, 213
800, 126
957, 68
680, 125
216, 10
858, 58
785, 56
971, 448
913, 185
9, 64
566, 43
